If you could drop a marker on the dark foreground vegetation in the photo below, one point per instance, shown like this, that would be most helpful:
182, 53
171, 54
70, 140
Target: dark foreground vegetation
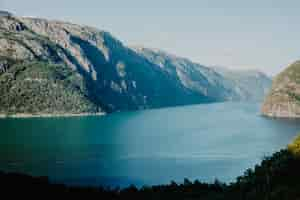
277, 177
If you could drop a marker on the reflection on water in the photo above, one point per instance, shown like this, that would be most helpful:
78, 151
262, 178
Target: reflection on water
145, 147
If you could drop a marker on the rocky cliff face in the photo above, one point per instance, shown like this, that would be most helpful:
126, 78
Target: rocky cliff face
283, 101
217, 82
106, 75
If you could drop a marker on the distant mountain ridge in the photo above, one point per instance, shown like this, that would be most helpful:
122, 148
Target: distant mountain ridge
96, 69
219, 82
248, 84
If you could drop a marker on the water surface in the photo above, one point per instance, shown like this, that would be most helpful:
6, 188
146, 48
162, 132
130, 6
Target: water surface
145, 147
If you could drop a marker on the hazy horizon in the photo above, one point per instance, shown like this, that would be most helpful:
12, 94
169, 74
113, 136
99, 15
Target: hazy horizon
238, 35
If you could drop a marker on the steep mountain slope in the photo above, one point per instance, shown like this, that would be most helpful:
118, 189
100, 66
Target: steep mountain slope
190, 75
110, 76
220, 83
247, 84
37, 87
115, 77
284, 97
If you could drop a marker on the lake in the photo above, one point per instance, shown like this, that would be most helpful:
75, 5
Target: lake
149, 147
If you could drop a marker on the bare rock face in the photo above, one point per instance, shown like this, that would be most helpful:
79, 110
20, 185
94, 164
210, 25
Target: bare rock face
283, 101
64, 35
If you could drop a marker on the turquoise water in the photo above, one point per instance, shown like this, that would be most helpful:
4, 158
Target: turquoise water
145, 147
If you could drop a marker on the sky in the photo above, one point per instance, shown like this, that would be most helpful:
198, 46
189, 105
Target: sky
239, 34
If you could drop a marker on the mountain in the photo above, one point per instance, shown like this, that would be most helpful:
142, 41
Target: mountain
193, 76
113, 76
283, 101
38, 87
247, 84
59, 67
220, 83
190, 75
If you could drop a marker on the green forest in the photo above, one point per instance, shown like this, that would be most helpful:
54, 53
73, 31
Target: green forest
39, 87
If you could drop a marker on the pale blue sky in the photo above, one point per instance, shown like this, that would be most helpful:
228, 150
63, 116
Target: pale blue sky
261, 34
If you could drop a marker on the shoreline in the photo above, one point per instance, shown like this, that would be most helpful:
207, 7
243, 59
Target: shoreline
280, 116
48, 115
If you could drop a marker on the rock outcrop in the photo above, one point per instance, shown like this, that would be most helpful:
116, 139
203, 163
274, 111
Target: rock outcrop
283, 101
